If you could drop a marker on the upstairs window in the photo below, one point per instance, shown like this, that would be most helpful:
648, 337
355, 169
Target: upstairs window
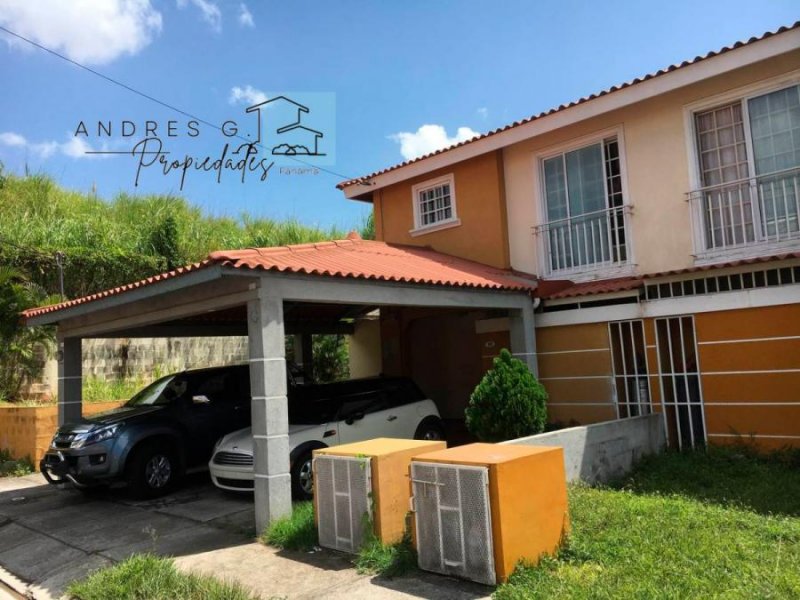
586, 225
749, 165
434, 205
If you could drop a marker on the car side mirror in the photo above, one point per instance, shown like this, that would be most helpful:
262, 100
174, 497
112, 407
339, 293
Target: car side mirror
354, 417
201, 400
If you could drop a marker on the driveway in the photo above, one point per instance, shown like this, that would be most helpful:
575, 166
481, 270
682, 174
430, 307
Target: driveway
50, 536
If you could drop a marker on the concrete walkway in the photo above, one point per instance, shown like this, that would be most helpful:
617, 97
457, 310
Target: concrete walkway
51, 536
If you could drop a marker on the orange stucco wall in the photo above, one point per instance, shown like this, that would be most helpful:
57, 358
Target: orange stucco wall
575, 368
26, 431
749, 361
480, 206
751, 383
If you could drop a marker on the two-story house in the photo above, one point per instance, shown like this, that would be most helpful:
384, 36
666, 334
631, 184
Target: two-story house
661, 218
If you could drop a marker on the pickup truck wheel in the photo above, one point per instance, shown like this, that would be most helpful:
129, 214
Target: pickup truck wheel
302, 479
153, 470
430, 429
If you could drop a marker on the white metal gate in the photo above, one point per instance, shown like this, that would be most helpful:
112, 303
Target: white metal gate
629, 363
453, 520
681, 388
342, 486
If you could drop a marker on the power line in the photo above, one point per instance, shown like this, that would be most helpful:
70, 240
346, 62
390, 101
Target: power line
156, 100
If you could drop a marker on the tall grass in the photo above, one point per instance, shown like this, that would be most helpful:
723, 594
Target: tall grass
117, 240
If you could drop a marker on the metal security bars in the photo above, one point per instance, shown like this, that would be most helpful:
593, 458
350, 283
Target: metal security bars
629, 363
751, 211
343, 488
681, 388
453, 520
587, 218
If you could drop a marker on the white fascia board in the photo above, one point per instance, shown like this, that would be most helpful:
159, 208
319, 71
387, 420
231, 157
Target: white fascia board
681, 77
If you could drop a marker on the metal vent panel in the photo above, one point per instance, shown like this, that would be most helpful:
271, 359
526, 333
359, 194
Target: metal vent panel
342, 488
453, 520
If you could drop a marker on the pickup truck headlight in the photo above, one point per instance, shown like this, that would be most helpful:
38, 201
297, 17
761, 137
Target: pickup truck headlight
93, 437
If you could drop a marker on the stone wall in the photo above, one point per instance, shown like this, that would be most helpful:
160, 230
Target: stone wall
145, 358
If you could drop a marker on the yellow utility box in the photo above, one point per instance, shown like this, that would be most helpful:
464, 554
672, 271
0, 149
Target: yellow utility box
363, 482
481, 508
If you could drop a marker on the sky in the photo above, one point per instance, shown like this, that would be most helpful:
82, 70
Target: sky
382, 81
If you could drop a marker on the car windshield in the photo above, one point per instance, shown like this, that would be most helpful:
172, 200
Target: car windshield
161, 391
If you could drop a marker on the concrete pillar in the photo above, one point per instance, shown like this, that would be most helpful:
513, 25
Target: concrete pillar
270, 412
523, 337
70, 382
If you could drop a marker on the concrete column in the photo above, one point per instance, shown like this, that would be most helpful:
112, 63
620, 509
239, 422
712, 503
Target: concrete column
270, 412
70, 382
523, 337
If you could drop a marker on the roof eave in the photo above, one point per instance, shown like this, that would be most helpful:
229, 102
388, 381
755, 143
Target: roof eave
725, 60
202, 275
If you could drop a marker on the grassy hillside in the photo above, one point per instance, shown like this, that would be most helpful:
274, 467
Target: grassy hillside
108, 242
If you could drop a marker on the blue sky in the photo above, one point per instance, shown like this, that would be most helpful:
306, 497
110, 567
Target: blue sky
393, 67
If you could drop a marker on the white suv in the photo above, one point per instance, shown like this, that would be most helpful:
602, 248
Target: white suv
327, 415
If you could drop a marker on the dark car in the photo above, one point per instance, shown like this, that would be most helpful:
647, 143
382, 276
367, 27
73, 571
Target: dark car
165, 430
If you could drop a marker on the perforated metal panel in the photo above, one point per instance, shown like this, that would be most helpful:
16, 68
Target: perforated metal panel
453, 520
342, 487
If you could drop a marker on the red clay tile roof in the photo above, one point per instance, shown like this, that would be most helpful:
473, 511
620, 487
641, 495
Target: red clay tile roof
352, 258
555, 289
41, 310
603, 286
731, 263
379, 261
605, 92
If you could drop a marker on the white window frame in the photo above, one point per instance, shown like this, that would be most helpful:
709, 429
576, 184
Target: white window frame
586, 272
416, 190
742, 94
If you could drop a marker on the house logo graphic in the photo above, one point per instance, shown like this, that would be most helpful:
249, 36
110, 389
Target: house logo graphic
293, 138
288, 137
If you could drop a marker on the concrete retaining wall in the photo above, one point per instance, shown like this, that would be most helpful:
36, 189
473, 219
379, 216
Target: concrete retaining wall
604, 451
26, 431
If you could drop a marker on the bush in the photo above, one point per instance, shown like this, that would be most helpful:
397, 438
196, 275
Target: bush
508, 403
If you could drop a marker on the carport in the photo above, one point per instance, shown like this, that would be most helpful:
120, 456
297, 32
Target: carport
267, 293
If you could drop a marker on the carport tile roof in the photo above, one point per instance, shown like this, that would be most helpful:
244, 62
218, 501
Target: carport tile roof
366, 259
352, 258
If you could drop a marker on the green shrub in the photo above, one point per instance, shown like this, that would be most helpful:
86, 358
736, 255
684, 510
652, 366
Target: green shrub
508, 403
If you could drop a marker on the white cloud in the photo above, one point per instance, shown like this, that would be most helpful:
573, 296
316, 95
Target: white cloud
12, 139
208, 11
88, 31
74, 147
483, 112
429, 138
247, 95
245, 16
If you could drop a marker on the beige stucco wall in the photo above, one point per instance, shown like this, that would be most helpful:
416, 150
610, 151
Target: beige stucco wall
365, 349
656, 162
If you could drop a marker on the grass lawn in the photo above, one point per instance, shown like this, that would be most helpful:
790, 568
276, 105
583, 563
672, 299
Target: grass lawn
720, 524
146, 577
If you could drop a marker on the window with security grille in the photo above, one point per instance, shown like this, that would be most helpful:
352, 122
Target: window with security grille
585, 208
749, 165
435, 204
